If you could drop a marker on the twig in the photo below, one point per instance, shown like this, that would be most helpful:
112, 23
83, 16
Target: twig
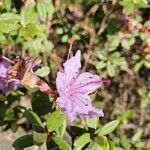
70, 49
48, 23
103, 23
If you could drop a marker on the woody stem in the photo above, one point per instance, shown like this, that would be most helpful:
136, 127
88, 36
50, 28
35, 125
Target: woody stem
70, 49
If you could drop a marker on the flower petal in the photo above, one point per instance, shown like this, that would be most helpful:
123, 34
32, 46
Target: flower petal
83, 107
71, 71
60, 83
3, 86
71, 67
86, 83
4, 65
67, 107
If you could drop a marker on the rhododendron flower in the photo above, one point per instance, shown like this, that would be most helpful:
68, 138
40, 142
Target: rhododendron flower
13, 74
23, 72
73, 88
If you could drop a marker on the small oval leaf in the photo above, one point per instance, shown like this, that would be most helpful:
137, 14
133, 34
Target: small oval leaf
39, 138
24, 141
108, 128
33, 118
62, 144
82, 141
55, 120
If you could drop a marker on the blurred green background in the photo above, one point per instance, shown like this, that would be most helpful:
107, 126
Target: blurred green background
114, 37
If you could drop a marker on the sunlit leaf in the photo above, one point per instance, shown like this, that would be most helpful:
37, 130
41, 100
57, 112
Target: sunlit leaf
55, 120
82, 141
108, 128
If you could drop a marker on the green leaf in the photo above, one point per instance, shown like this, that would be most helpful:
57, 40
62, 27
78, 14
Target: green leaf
49, 7
61, 130
8, 27
59, 31
108, 128
113, 42
143, 4
128, 5
9, 17
131, 5
111, 145
40, 101
137, 136
126, 44
31, 89
26, 12
38, 128
82, 141
92, 122
138, 65
3, 109
43, 72
47, 45
100, 65
96, 146
41, 11
55, 120
33, 118
10, 115
64, 38
142, 145
51, 145
3, 39
39, 138
120, 61
14, 127
34, 45
62, 144
125, 142
111, 69
101, 54
119, 148
147, 64
7, 4
31, 31
24, 141
103, 142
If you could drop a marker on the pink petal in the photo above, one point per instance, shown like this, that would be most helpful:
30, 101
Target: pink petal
83, 107
78, 105
60, 82
86, 83
4, 65
71, 71
71, 67
67, 107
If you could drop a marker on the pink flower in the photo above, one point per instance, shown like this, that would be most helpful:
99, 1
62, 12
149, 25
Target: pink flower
23, 72
20, 72
73, 88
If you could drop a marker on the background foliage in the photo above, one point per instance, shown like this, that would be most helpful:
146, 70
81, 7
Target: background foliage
114, 37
